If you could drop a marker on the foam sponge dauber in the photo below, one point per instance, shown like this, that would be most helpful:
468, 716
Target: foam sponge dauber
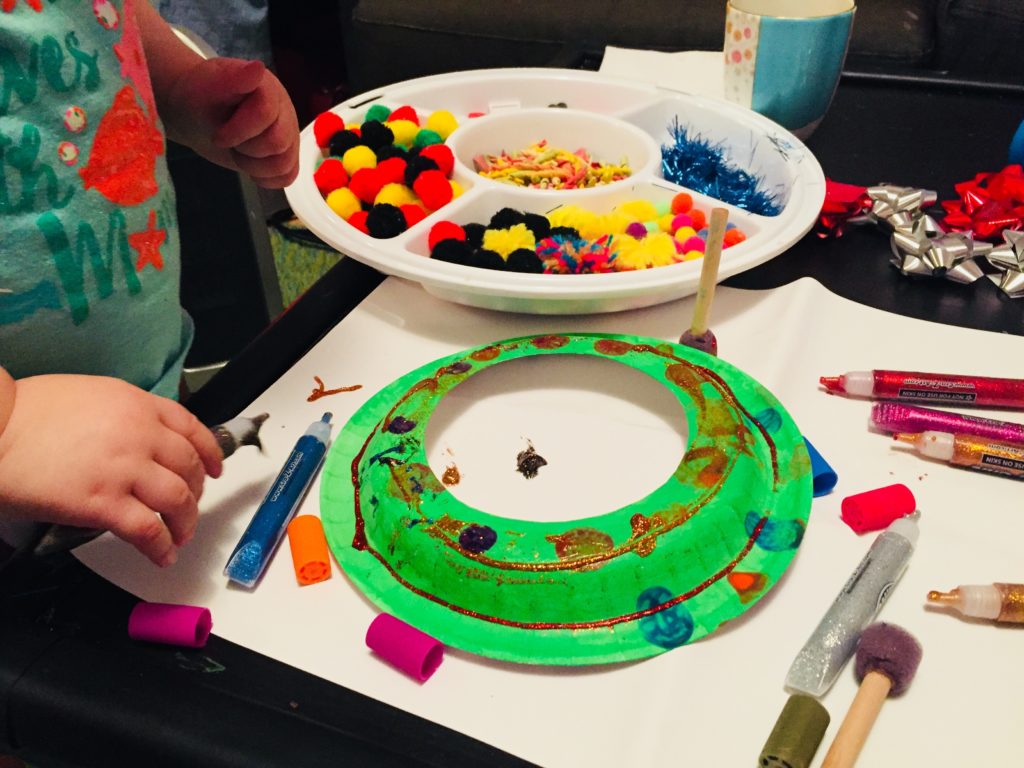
887, 658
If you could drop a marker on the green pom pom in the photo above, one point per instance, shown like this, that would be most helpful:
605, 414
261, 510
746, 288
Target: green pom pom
663, 207
377, 112
425, 137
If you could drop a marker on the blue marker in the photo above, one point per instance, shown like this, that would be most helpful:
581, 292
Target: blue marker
268, 525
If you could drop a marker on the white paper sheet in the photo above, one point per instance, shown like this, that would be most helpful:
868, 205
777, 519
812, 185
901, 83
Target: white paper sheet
697, 72
712, 703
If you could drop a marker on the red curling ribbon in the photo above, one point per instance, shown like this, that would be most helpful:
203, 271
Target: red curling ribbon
988, 204
842, 203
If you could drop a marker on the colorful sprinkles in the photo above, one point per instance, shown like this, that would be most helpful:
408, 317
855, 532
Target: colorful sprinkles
541, 166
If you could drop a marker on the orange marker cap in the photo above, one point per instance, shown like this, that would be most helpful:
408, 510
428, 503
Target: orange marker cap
310, 557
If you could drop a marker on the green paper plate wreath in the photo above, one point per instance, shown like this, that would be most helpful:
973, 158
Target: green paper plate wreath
661, 572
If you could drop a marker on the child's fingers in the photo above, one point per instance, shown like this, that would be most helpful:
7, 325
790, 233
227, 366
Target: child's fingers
277, 182
276, 139
259, 168
169, 495
176, 417
253, 115
177, 454
141, 527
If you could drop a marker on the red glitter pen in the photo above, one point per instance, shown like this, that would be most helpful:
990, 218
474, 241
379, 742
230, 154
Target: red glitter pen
935, 388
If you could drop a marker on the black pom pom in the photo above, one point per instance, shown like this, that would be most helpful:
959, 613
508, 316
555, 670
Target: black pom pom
415, 165
524, 260
375, 135
474, 233
539, 225
384, 221
342, 142
488, 259
564, 232
506, 217
390, 150
453, 251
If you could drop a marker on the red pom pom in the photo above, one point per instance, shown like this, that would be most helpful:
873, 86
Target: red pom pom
405, 113
358, 220
433, 189
413, 213
365, 184
330, 175
442, 155
444, 230
326, 125
392, 170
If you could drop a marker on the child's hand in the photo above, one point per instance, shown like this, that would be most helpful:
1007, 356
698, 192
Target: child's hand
237, 114
96, 452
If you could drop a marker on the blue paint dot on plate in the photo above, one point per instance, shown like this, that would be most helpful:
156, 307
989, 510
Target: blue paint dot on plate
769, 418
669, 627
776, 535
400, 425
460, 367
477, 538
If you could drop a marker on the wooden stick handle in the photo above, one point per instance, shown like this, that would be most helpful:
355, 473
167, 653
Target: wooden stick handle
857, 724
709, 271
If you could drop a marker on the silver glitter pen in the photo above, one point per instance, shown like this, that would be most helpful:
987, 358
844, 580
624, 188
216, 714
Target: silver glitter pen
834, 641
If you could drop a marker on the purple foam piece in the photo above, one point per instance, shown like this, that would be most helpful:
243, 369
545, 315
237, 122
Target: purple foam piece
184, 625
402, 645
891, 650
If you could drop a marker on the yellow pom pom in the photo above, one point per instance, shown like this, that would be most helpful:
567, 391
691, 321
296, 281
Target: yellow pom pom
443, 122
638, 210
504, 241
405, 131
665, 222
343, 202
656, 250
357, 158
573, 216
396, 195
685, 233
456, 188
692, 255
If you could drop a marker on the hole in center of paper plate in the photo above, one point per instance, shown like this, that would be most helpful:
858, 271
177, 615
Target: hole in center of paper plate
608, 433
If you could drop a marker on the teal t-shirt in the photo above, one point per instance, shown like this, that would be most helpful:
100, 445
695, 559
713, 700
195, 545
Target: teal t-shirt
89, 264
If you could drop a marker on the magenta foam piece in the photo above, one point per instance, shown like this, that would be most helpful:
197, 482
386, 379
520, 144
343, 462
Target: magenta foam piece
405, 647
184, 625
874, 510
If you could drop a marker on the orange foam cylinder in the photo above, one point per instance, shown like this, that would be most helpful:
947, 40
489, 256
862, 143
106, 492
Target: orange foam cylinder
310, 556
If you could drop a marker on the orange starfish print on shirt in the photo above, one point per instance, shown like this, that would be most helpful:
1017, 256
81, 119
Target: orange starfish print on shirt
8, 5
147, 243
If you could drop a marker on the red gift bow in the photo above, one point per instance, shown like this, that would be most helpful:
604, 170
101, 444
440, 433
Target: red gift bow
842, 203
989, 203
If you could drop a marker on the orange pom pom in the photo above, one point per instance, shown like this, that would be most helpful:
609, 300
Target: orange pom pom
733, 236
433, 189
682, 203
699, 219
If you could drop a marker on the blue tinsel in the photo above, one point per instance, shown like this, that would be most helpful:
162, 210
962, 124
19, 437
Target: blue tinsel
699, 165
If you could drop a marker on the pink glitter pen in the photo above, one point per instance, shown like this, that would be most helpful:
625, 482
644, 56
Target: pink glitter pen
895, 417
933, 388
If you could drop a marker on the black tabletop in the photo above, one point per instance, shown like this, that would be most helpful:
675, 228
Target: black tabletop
74, 691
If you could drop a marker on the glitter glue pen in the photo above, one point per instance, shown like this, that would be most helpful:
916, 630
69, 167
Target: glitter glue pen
968, 451
1000, 602
261, 537
938, 388
896, 417
834, 640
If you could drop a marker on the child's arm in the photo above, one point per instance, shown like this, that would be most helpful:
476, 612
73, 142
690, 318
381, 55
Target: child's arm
96, 452
232, 112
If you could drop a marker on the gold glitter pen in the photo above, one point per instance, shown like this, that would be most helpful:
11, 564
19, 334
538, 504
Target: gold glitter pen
968, 451
1000, 602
